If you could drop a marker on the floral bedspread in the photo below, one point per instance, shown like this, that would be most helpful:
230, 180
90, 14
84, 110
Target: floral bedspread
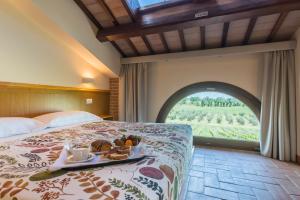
153, 178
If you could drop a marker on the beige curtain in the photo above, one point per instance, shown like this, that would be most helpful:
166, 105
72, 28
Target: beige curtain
134, 82
278, 113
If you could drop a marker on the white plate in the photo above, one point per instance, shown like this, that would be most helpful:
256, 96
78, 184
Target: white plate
70, 159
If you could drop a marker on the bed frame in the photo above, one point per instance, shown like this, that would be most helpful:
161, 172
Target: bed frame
30, 100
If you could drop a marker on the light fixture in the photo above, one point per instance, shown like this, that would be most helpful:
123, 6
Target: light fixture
87, 80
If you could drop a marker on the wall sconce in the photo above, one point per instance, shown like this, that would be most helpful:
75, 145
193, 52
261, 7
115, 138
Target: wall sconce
88, 80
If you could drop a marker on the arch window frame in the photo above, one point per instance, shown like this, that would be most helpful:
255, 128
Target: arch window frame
211, 86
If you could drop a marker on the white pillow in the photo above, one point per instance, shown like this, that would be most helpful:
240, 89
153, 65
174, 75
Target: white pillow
10, 126
66, 118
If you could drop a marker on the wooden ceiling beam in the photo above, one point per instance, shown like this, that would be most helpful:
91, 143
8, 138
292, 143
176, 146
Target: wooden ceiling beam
182, 40
97, 24
129, 10
136, 29
163, 5
108, 12
249, 30
209, 8
133, 47
236, 50
118, 48
88, 13
202, 34
225, 33
147, 44
164, 42
277, 26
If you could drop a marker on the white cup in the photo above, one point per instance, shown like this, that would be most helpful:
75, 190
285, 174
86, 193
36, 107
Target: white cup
80, 152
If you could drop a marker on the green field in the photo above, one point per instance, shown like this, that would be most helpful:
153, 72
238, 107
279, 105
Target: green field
233, 121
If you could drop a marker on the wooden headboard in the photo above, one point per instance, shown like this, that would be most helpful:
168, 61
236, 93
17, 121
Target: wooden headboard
29, 100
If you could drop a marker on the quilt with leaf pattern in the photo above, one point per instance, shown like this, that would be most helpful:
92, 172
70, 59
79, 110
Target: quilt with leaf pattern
24, 163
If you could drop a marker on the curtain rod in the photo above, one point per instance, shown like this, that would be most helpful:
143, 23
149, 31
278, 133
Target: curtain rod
247, 49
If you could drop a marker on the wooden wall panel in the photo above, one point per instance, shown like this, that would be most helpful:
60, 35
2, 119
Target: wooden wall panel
26, 100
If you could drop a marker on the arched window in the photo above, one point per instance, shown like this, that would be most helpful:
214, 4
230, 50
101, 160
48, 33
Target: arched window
216, 111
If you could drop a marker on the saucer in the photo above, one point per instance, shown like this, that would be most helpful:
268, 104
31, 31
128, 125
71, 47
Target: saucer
70, 159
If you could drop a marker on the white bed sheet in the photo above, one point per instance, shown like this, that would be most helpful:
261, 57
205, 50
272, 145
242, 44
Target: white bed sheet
46, 130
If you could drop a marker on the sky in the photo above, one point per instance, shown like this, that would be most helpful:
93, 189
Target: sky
144, 3
210, 94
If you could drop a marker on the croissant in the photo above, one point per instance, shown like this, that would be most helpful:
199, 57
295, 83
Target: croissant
101, 145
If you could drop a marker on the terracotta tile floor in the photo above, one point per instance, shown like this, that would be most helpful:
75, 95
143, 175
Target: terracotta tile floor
231, 174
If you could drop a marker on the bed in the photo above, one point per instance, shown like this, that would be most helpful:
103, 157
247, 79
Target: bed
154, 178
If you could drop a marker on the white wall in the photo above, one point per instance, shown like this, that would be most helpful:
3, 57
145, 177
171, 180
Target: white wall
29, 54
72, 20
165, 78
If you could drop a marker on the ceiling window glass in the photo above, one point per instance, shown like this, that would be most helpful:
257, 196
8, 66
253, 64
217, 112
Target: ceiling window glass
147, 3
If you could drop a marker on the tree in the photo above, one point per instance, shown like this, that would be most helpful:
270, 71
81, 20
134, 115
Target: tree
209, 118
240, 120
229, 119
183, 101
219, 119
194, 100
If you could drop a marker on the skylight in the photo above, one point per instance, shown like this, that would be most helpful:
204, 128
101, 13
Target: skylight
147, 3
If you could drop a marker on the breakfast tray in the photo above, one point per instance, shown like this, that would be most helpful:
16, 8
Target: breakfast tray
137, 154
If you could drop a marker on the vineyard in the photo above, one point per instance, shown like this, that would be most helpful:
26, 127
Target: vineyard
219, 117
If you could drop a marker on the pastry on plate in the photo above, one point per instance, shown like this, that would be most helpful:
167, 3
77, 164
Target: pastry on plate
119, 142
119, 150
128, 143
134, 139
101, 146
131, 140
123, 150
117, 156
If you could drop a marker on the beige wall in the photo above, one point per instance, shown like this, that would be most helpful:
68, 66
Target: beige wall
72, 20
30, 54
165, 78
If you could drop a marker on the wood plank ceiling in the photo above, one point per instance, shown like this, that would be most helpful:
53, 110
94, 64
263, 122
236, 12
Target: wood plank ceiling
184, 25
